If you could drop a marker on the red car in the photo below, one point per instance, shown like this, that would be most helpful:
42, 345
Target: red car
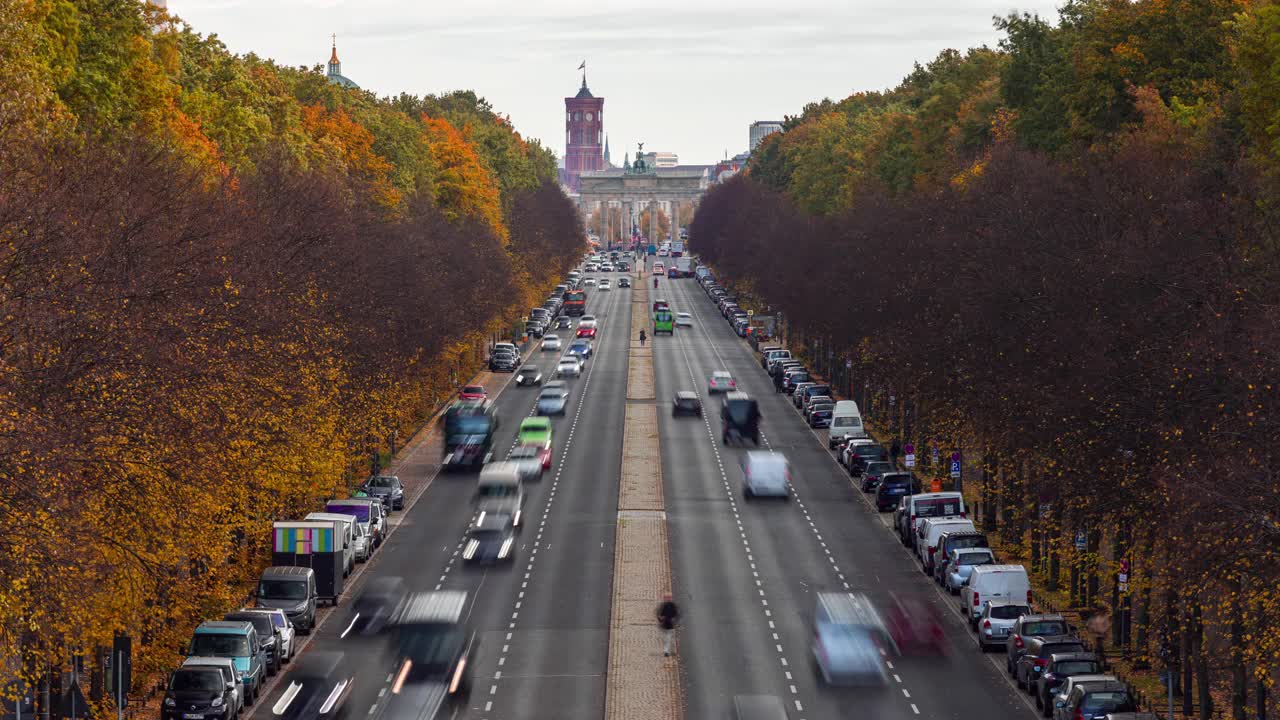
473, 392
586, 332
530, 451
915, 626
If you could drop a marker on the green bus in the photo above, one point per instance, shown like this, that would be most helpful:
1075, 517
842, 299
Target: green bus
664, 322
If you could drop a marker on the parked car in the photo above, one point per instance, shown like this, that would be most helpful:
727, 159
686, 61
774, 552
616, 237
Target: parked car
230, 679
955, 540
472, 392
893, 487
993, 582
268, 637
284, 631
820, 415
624, 282
386, 488
1093, 700
873, 471
995, 620
503, 361
1031, 664
1028, 627
199, 691
961, 562
1060, 667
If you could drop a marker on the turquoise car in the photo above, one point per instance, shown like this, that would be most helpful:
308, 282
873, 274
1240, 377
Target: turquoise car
238, 640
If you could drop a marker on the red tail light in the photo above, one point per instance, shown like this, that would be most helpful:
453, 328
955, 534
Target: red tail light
1017, 641
975, 599
1041, 662
1028, 596
964, 514
1079, 715
931, 549
986, 624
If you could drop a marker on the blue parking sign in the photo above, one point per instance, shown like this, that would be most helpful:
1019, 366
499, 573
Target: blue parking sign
955, 469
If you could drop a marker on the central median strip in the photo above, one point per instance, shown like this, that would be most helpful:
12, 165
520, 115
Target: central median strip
642, 684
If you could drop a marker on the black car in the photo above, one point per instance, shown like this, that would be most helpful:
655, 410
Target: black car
1032, 661
529, 375
434, 652
563, 322
1060, 667
491, 539
502, 361
686, 402
793, 378
624, 282
386, 488
863, 455
272, 647
1094, 701
740, 416
873, 471
378, 606
892, 487
197, 690
319, 688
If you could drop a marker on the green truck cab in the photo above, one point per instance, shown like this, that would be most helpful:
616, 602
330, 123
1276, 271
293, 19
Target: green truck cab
664, 322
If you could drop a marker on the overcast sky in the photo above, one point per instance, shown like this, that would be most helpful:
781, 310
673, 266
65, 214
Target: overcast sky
686, 77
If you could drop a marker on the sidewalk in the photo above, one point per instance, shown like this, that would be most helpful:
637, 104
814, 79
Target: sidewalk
642, 684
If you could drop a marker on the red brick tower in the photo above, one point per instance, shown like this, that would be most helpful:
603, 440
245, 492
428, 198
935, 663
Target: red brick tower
584, 134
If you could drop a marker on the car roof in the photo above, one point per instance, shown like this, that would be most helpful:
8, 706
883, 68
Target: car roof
288, 571
1043, 616
535, 423
1005, 603
686, 395
1068, 656
224, 626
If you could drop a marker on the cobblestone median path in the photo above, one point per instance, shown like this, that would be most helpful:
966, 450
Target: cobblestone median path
643, 685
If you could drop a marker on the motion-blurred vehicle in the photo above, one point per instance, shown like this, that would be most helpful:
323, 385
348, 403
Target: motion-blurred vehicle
534, 431
500, 490
721, 381
434, 657
468, 435
686, 402
604, 285
490, 539
532, 461
758, 707
684, 319
765, 474
552, 342
663, 322
568, 367
529, 375
580, 348
378, 606
589, 282
386, 488
740, 416
915, 625
472, 392
562, 323
659, 269
848, 636
586, 331
318, 689
995, 620
553, 399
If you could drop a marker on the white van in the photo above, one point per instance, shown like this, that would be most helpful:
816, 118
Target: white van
347, 525
930, 530
993, 582
846, 422
928, 505
499, 490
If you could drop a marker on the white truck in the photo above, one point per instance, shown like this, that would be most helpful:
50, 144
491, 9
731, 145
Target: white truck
684, 266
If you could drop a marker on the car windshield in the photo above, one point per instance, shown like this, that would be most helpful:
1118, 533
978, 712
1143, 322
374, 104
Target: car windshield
1107, 701
497, 491
220, 645
895, 482
431, 647
187, 680
868, 450
466, 425
552, 394
568, 363
473, 390
974, 559
1076, 667
818, 390
879, 466
1045, 627
1008, 612
282, 589
937, 508
848, 421
359, 510
382, 482
966, 541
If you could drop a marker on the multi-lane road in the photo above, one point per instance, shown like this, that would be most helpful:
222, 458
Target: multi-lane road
744, 574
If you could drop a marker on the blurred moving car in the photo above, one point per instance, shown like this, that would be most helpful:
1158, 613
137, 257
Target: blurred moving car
472, 392
721, 381
580, 348
684, 319
916, 625
554, 397
568, 367
758, 707
552, 342
586, 331
318, 689
532, 461
848, 636
529, 375
434, 656
490, 539
604, 286
562, 323
686, 402
765, 474
740, 415
500, 489
378, 606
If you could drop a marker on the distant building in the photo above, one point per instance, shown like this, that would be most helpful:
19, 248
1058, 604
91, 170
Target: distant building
334, 72
761, 129
661, 159
729, 167
583, 136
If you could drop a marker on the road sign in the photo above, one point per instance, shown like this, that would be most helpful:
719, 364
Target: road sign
1082, 541
955, 469
910, 460
909, 449
935, 455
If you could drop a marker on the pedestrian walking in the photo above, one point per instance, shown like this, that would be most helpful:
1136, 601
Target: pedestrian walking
667, 614
642, 336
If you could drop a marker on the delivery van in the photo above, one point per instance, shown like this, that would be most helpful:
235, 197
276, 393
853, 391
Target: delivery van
993, 582
846, 422
499, 490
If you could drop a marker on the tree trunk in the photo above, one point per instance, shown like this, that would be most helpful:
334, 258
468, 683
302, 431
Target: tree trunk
1239, 679
1202, 669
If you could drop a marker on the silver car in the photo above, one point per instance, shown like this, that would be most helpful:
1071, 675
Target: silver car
550, 342
364, 543
995, 621
766, 474
553, 399
960, 563
569, 367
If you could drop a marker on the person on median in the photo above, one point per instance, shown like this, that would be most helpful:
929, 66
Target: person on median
667, 614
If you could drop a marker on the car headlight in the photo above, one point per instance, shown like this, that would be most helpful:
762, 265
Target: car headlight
470, 550
505, 549
168, 702
217, 702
